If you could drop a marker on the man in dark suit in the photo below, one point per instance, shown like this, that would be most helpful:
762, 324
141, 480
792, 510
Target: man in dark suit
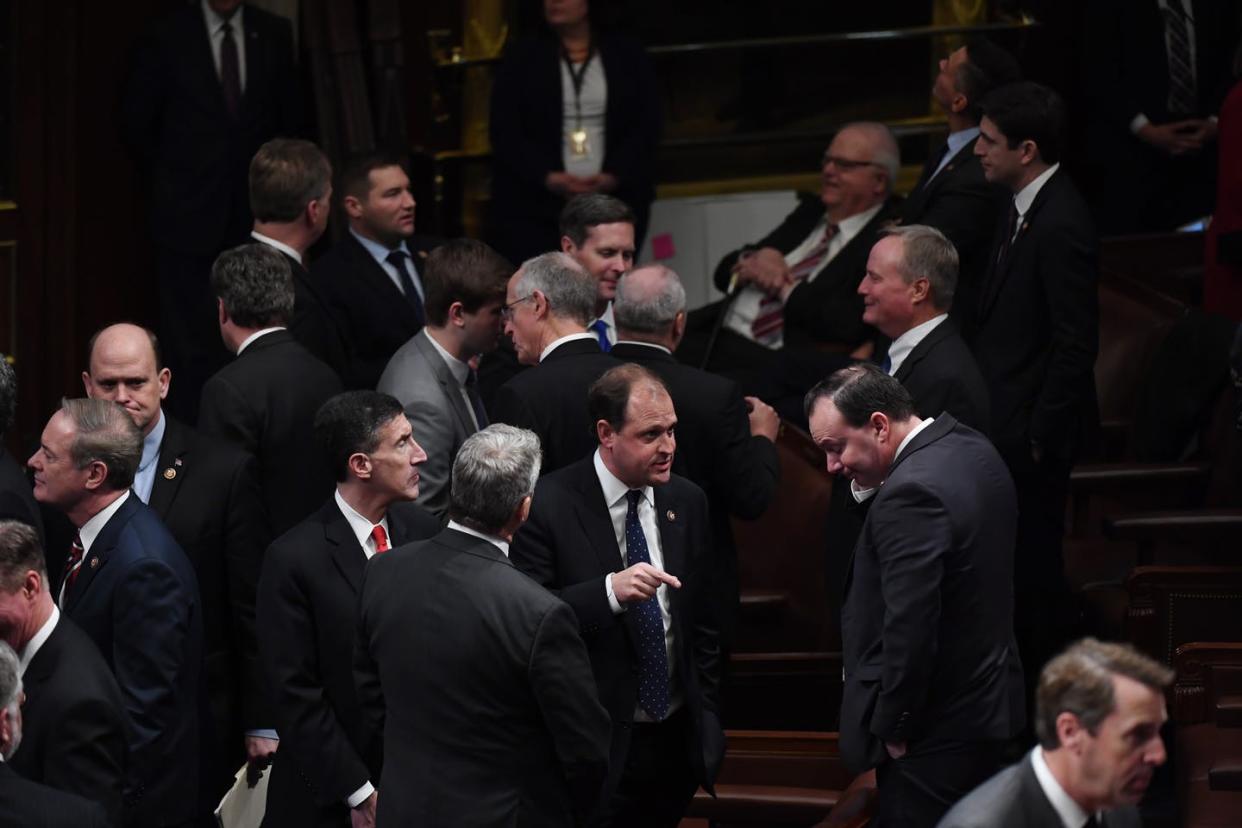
371, 280
548, 304
23, 802
291, 195
793, 290
726, 443
431, 375
132, 590
308, 606
208, 84
1099, 713
1036, 343
265, 400
952, 194
627, 544
74, 730
1156, 73
469, 667
207, 493
16, 500
933, 685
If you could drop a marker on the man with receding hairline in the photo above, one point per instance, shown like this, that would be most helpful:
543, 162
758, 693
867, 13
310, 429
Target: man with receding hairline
207, 493
626, 543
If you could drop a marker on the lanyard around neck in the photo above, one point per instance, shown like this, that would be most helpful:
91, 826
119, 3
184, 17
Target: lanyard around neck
578, 77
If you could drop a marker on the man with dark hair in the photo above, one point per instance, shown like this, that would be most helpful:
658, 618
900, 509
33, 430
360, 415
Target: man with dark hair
504, 682
1099, 711
132, 590
207, 493
23, 802
933, 687
372, 279
1036, 343
16, 500
726, 443
308, 604
597, 230
548, 304
431, 374
614, 535
264, 401
209, 82
952, 193
74, 735
291, 196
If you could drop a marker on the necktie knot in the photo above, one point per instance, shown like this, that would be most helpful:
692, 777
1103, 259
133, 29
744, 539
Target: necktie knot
601, 333
397, 259
381, 538
633, 496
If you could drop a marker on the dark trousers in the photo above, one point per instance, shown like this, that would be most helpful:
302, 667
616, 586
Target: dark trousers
657, 782
920, 787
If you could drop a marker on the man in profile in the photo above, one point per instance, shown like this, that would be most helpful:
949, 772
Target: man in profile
1099, 708
471, 668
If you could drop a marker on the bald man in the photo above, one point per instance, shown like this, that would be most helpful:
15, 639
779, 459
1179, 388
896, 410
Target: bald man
206, 492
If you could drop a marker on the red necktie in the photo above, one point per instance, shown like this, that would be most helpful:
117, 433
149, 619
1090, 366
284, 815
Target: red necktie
381, 538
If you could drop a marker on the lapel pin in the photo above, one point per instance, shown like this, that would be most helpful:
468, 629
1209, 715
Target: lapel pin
671, 515
94, 563
170, 473
177, 462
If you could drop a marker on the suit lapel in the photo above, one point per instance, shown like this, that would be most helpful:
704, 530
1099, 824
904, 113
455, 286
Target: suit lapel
100, 553
204, 65
448, 382
372, 274
921, 350
594, 518
348, 556
999, 272
171, 461
672, 532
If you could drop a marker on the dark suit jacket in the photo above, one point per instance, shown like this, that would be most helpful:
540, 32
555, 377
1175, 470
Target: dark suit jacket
308, 605
941, 375
1013, 798
195, 155
312, 324
738, 472
26, 804
136, 597
212, 505
568, 546
73, 727
828, 309
960, 203
265, 402
927, 623
528, 127
486, 675
551, 400
373, 316
16, 497
1039, 327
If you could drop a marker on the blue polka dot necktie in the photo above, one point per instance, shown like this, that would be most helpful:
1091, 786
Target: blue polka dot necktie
652, 656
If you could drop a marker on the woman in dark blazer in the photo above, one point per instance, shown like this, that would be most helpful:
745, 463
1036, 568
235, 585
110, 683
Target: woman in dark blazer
532, 126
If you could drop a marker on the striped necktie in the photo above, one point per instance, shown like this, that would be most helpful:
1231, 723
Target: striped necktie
769, 326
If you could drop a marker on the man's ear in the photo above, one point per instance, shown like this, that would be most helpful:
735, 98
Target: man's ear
568, 246
919, 290
880, 424
96, 475
359, 465
1070, 732
604, 433
87, 385
353, 206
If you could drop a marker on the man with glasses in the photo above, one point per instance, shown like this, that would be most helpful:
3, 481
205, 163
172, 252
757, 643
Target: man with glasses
794, 288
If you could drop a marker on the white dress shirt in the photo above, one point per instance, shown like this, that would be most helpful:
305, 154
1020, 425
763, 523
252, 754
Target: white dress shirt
745, 308
556, 343
1026, 197
862, 493
499, 543
215, 32
594, 103
37, 641
610, 325
144, 478
381, 253
904, 344
615, 496
87, 534
361, 526
460, 372
1071, 813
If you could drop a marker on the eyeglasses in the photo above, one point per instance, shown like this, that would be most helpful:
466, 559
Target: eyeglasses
845, 164
506, 311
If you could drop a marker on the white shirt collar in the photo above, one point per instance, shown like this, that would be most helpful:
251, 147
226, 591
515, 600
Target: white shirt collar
459, 369
861, 493
215, 20
1071, 813
614, 489
554, 344
610, 323
91, 529
848, 228
377, 250
904, 344
37, 641
499, 543
1026, 196
279, 245
361, 526
256, 335
645, 344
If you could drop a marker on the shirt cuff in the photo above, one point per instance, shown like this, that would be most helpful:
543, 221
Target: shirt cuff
263, 733
360, 796
612, 599
1138, 122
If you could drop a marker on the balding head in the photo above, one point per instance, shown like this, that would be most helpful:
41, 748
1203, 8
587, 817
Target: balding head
859, 170
650, 306
124, 366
